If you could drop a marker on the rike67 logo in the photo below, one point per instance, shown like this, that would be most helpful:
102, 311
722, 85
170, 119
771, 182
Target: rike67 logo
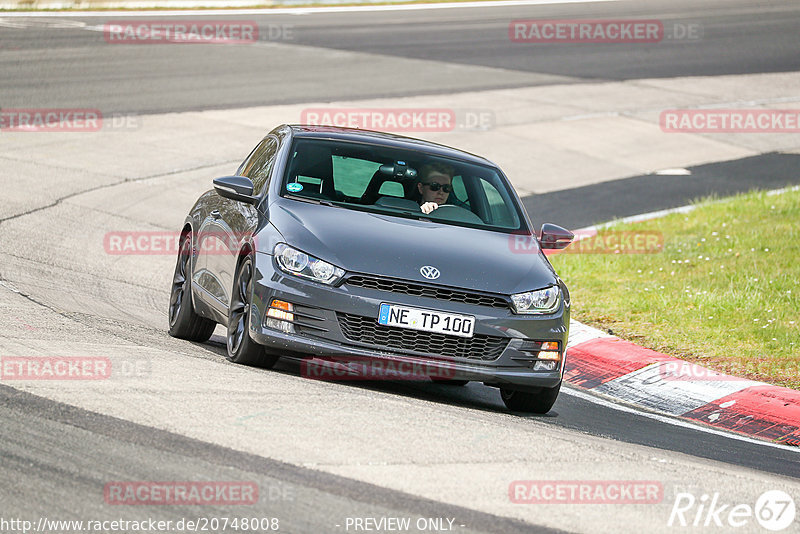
774, 510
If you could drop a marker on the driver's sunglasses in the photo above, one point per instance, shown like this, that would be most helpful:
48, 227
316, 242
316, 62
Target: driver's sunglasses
447, 188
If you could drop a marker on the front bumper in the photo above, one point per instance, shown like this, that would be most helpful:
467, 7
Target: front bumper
320, 314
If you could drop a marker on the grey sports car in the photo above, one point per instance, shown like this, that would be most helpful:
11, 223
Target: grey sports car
342, 245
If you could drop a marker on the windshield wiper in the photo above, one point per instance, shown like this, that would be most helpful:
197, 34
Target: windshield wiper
322, 201
419, 216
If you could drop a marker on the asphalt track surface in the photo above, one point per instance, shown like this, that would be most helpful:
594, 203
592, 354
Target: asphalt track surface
598, 203
58, 478
44, 443
71, 67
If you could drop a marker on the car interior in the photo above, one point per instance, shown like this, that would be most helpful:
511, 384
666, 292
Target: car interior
391, 187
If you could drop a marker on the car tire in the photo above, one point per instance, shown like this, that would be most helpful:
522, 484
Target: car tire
449, 382
525, 401
241, 348
184, 323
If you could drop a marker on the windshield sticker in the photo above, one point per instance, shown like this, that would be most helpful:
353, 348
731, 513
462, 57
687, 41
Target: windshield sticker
294, 187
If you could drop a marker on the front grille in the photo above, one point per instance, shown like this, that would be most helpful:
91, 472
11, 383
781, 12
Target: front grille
432, 292
367, 330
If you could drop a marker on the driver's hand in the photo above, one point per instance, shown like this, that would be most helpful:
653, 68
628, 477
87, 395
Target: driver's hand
428, 207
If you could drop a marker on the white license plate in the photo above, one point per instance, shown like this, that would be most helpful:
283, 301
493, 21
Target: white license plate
426, 320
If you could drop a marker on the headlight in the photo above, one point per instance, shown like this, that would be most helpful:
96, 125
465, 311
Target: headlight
292, 261
537, 302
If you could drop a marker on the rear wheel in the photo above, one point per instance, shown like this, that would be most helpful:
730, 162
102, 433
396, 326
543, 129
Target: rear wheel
524, 401
184, 323
241, 348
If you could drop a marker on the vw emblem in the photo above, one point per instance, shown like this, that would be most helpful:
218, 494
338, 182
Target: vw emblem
429, 272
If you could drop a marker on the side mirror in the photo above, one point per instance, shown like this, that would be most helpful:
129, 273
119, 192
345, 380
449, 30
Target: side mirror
237, 188
555, 237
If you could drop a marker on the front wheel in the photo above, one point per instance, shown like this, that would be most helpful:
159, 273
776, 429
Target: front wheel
241, 348
524, 401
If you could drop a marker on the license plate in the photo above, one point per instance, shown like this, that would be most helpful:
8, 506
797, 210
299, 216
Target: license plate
426, 320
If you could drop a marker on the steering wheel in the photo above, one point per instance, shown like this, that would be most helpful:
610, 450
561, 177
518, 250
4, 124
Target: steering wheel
456, 213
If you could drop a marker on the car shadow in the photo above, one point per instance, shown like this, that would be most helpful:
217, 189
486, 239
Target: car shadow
473, 395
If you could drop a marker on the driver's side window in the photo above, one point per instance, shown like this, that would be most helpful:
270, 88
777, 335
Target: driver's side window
259, 166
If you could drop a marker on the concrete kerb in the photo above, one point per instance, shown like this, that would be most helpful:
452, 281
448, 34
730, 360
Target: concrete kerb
612, 367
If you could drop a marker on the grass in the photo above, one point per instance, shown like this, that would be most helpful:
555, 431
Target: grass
722, 294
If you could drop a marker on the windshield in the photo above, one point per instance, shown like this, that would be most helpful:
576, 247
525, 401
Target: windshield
400, 182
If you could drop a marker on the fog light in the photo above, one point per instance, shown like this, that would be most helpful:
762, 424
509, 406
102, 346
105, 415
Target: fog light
280, 309
549, 351
545, 366
280, 316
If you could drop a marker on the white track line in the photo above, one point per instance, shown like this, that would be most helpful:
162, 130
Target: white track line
283, 10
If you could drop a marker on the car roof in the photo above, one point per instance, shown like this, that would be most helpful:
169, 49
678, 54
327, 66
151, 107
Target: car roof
384, 139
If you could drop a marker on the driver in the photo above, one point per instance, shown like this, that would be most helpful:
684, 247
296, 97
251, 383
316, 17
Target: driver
435, 185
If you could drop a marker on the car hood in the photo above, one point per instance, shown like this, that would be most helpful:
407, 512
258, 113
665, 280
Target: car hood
396, 247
